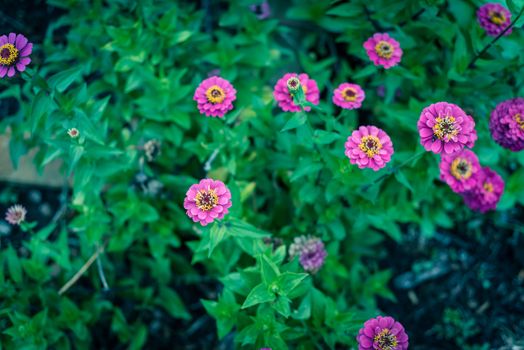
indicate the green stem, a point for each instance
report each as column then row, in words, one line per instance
column 393, row 170
column 477, row 56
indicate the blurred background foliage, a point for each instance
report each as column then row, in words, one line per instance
column 124, row 72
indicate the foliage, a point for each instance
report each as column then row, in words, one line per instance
column 124, row 73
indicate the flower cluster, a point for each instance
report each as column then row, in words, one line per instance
column 287, row 85
column 15, row 215
column 481, row 188
column 14, row 53
column 445, row 127
column 507, row 124
column 310, row 251
column 383, row 50
column 206, row 201
column 487, row 192
column 215, row 97
column 494, row 18
column 369, row 147
column 382, row 333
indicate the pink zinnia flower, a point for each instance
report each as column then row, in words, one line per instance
column 15, row 215
column 494, row 18
column 206, row 201
column 507, row 124
column 383, row 50
column 285, row 98
column 369, row 147
column 445, row 127
column 215, row 97
column 382, row 333
column 310, row 251
column 262, row 10
column 459, row 170
column 348, row 96
column 14, row 52
column 487, row 192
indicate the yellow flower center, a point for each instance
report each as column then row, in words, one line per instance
column 497, row 17
column 520, row 121
column 349, row 94
column 461, row 169
column 488, row 186
column 370, row 145
column 445, row 128
column 215, row 94
column 384, row 49
column 206, row 200
column 385, row 340
column 8, row 54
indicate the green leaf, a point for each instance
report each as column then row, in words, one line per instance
column 269, row 270
column 304, row 309
column 62, row 80
column 216, row 235
column 258, row 295
column 170, row 300
column 41, row 106
column 325, row 137
column 289, row 281
column 13, row 265
column 401, row 177
column 241, row 229
column 296, row 120
column 17, row 149
column 282, row 306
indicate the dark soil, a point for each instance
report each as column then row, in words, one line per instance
column 461, row 288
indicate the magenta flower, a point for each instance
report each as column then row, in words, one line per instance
column 487, row 192
column 262, row 10
column 383, row 50
column 507, row 124
column 382, row 333
column 369, row 147
column 459, row 170
column 310, row 251
column 285, row 98
column 206, row 201
column 215, row 97
column 494, row 18
column 14, row 52
column 15, row 215
column 472, row 135
column 445, row 127
column 348, row 96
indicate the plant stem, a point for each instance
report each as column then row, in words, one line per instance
column 83, row 269
column 393, row 170
column 477, row 56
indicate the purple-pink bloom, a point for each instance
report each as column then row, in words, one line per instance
column 284, row 97
column 348, row 96
column 206, row 201
column 215, row 97
column 15, row 215
column 487, row 192
column 262, row 10
column 445, row 127
column 459, row 170
column 383, row 50
column 14, row 53
column 310, row 251
column 382, row 333
column 507, row 124
column 494, row 18
column 369, row 147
